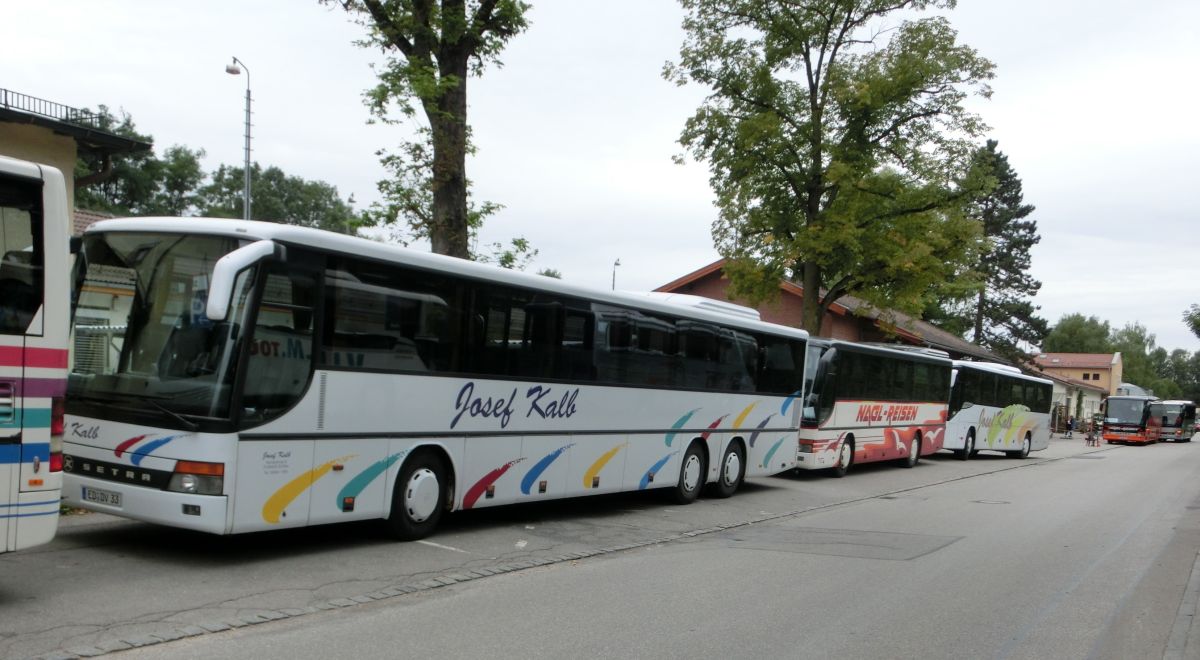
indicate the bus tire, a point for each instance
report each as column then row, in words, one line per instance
column 733, row 471
column 845, row 458
column 1023, row 452
column 968, row 449
column 418, row 500
column 914, row 452
column 691, row 476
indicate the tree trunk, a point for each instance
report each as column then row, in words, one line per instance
column 810, row 310
column 979, row 316
column 450, row 234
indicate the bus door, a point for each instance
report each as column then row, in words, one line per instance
column 21, row 297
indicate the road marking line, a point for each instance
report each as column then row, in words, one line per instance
column 443, row 547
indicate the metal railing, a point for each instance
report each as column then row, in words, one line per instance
column 35, row 106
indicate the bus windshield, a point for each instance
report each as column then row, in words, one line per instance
column 1125, row 411
column 1171, row 414
column 142, row 335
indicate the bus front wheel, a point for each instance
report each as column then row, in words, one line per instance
column 845, row 458
column 418, row 498
column 968, row 446
column 914, row 452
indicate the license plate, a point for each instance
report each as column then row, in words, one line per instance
column 99, row 496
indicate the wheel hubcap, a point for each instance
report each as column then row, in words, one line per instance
column 421, row 495
column 733, row 467
column 691, row 473
column 912, row 449
column 844, row 456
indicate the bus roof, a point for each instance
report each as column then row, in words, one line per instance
column 996, row 367
column 354, row 246
column 884, row 349
column 1179, row 402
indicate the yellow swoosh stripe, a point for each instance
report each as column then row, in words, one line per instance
column 275, row 504
column 737, row 423
column 590, row 475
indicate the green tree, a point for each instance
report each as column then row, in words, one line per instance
column 279, row 197
column 838, row 149
column 431, row 48
column 1192, row 318
column 1075, row 333
column 1004, row 316
column 550, row 272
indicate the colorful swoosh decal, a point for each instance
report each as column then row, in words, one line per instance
column 713, row 426
column 645, row 482
column 737, row 423
column 136, row 457
column 476, row 491
column 590, row 476
column 538, row 468
column 273, row 508
column 771, row 452
column 359, row 483
column 787, row 403
column 679, row 424
column 761, row 425
column 127, row 444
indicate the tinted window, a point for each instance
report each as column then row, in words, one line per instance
column 21, row 254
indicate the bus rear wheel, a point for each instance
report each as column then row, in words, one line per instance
column 733, row 471
column 691, row 476
column 1023, row 452
column 418, row 500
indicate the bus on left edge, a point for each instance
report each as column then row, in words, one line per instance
column 34, row 332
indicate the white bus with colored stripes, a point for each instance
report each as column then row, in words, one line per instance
column 995, row 407
column 34, row 325
column 866, row 403
column 252, row 376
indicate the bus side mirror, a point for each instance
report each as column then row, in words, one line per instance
column 225, row 272
column 76, row 244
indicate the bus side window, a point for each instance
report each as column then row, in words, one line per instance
column 281, row 346
column 21, row 256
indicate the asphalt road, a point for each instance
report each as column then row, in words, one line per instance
column 1076, row 552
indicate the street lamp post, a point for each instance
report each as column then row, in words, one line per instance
column 235, row 68
column 614, row 282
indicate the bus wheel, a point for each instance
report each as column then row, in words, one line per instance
column 845, row 459
column 418, row 498
column 733, row 471
column 968, row 447
column 914, row 452
column 1023, row 452
column 691, row 476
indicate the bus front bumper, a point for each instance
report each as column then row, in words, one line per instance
column 203, row 513
column 816, row 455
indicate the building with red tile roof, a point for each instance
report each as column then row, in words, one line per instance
column 1102, row 370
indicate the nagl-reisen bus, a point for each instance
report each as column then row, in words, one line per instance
column 1125, row 418
column 34, row 326
column 995, row 407
column 869, row 403
column 252, row 376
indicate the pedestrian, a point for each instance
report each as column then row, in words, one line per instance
column 1070, row 426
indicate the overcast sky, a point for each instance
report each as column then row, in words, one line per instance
column 1095, row 104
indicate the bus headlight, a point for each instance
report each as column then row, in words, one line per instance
column 197, row 478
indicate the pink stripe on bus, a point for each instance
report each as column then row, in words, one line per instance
column 44, row 358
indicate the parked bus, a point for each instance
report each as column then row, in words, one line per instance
column 261, row 376
column 1125, row 418
column 1172, row 420
column 995, row 407
column 871, row 403
column 34, row 308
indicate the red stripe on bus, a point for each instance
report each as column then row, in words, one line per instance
column 45, row 358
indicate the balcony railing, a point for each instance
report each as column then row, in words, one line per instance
column 11, row 100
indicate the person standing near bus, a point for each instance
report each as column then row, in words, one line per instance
column 1070, row 426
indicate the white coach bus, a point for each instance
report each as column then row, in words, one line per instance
column 34, row 326
column 995, row 407
column 257, row 376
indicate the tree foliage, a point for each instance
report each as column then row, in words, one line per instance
column 1192, row 318
column 279, row 197
column 838, row 146
column 431, row 47
column 1000, row 315
column 1076, row 333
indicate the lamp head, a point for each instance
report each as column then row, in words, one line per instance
column 233, row 69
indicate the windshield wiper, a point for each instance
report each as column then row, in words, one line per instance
column 187, row 423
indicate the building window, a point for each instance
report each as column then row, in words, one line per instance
column 1086, row 376
column 1095, row 376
